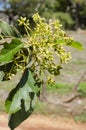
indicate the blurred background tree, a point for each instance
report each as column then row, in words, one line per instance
column 71, row 13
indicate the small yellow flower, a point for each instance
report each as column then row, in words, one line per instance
column 37, row 18
column 23, row 21
column 50, row 79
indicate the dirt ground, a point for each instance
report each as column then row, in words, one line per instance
column 41, row 122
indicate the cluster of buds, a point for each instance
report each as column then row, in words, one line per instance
column 43, row 46
column 23, row 21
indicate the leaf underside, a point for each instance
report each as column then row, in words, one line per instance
column 7, row 30
column 21, row 100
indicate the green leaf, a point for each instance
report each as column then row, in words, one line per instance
column 76, row 45
column 21, row 91
column 17, row 118
column 31, row 82
column 8, row 85
column 10, row 50
column 7, row 30
column 21, row 100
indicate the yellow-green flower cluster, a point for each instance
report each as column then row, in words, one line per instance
column 43, row 41
column 63, row 54
column 37, row 18
column 43, row 47
column 50, row 80
column 23, row 21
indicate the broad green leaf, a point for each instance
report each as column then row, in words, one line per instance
column 76, row 45
column 8, row 85
column 10, row 50
column 17, row 118
column 20, row 92
column 7, row 30
column 31, row 81
column 21, row 100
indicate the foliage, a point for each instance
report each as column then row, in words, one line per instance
column 39, row 52
column 73, row 13
column 18, row 7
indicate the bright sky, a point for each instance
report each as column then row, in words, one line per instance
column 2, row 4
